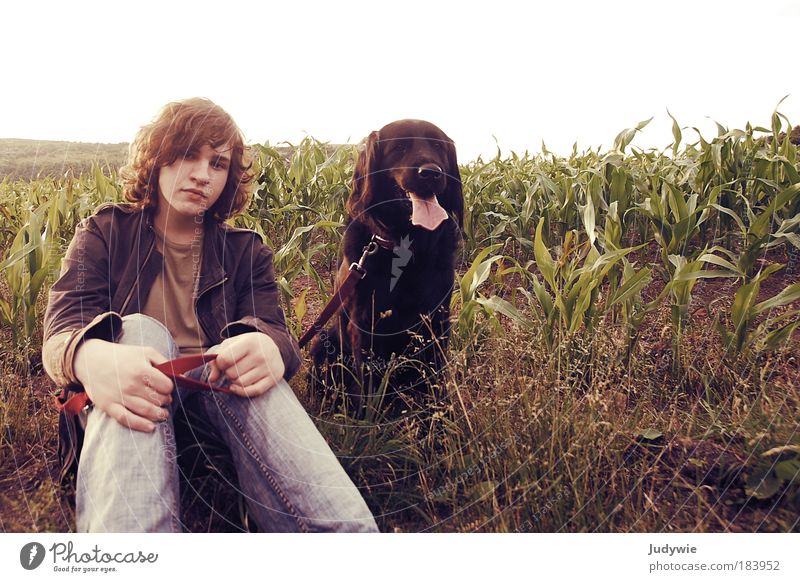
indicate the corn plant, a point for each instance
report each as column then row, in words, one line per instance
column 748, row 337
column 675, row 218
column 466, row 299
column 680, row 287
column 299, row 186
column 570, row 292
column 757, row 234
column 26, row 267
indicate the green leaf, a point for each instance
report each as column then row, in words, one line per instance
column 720, row 262
column 299, row 305
column 677, row 203
column 6, row 315
column 626, row 136
column 762, row 484
column 676, row 134
column 788, row 470
column 649, row 434
column 779, row 336
column 584, row 301
column 608, row 259
column 544, row 261
column 544, row 298
column 788, row 295
column 728, row 339
column 783, row 198
column 588, row 216
column 687, row 275
column 740, row 311
column 631, row 286
column 481, row 274
column 499, row 304
column 466, row 281
column 17, row 256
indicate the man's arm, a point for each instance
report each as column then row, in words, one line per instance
column 259, row 309
column 79, row 349
column 78, row 304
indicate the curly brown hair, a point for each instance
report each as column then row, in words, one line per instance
column 180, row 126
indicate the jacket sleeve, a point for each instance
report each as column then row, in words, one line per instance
column 78, row 304
column 258, row 306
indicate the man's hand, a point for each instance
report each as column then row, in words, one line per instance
column 251, row 361
column 122, row 382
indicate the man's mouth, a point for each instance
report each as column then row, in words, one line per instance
column 196, row 192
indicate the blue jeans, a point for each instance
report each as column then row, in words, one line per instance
column 128, row 480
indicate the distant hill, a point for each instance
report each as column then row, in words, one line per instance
column 28, row 159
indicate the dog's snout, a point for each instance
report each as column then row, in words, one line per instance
column 429, row 171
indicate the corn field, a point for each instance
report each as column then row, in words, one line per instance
column 624, row 335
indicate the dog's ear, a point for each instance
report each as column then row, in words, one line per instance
column 453, row 195
column 364, row 177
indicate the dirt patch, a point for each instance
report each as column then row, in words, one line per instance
column 708, row 478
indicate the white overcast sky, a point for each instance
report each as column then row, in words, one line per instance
column 521, row 73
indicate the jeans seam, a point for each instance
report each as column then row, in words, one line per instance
column 172, row 467
column 264, row 470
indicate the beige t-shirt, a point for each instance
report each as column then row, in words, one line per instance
column 171, row 298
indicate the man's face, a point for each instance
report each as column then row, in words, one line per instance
column 193, row 183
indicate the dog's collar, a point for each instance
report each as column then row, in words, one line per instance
column 384, row 243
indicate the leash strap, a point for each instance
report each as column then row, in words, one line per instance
column 175, row 369
column 356, row 272
column 353, row 277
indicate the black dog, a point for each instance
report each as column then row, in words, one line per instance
column 407, row 197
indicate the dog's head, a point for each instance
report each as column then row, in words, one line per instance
column 407, row 176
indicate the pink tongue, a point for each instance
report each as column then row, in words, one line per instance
column 426, row 213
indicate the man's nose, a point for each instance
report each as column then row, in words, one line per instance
column 199, row 171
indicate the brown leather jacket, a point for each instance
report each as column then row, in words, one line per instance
column 111, row 265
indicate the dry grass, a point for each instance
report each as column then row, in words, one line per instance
column 525, row 443
column 531, row 449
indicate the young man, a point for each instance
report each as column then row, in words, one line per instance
column 163, row 276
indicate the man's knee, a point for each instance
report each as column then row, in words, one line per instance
column 117, row 443
column 139, row 329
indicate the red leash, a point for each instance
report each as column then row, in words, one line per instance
column 357, row 272
column 175, row 369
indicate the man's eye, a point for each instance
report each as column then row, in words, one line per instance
column 220, row 164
